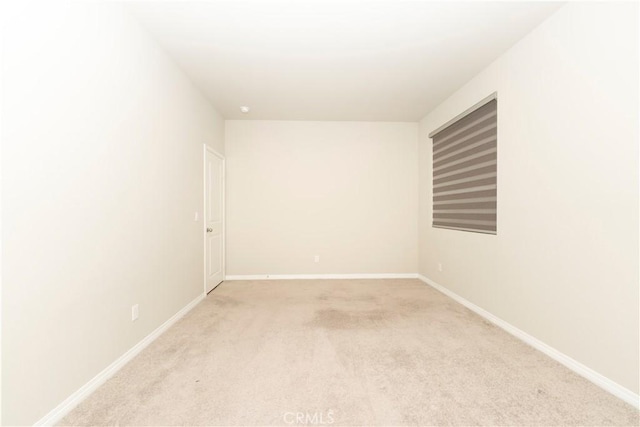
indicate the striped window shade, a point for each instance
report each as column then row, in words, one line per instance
column 464, row 170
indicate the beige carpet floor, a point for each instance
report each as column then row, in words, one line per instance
column 343, row 352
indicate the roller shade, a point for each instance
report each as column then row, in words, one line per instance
column 465, row 171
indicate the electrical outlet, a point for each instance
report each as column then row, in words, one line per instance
column 316, row 258
column 134, row 312
column 439, row 266
column 196, row 216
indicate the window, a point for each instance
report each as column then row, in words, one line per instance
column 465, row 170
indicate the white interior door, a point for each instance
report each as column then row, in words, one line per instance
column 214, row 220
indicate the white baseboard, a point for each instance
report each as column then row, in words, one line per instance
column 322, row 276
column 577, row 367
column 72, row 401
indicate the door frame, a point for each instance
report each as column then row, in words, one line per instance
column 210, row 150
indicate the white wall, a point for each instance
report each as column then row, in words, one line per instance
column 564, row 265
column 102, row 173
column 346, row 191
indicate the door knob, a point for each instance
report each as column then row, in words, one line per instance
column 209, row 230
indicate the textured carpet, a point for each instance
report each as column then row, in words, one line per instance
column 343, row 352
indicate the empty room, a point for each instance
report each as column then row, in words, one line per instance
column 315, row 213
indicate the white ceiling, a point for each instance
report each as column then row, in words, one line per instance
column 311, row 60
